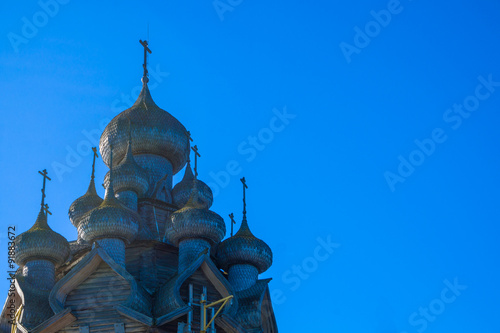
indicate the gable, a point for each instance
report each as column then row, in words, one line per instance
column 173, row 298
column 103, row 288
column 200, row 279
column 93, row 303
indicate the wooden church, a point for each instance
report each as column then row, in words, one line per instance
column 150, row 256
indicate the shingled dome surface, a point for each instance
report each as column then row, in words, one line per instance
column 153, row 130
column 194, row 220
column 84, row 204
column 41, row 242
column 182, row 190
column 110, row 220
column 244, row 248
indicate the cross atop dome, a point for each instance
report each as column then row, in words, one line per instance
column 196, row 155
column 45, row 177
column 231, row 216
column 245, row 186
column 145, row 78
column 94, row 149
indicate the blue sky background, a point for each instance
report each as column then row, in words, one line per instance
column 322, row 176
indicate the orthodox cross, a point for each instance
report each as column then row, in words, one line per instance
column 243, row 181
column 188, row 134
column 45, row 177
column 46, row 209
column 146, row 50
column 231, row 216
column 196, row 155
column 94, row 149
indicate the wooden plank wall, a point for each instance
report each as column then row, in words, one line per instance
column 92, row 303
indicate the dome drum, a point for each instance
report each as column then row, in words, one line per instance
column 40, row 273
column 242, row 276
column 128, row 198
column 157, row 167
column 190, row 250
column 115, row 248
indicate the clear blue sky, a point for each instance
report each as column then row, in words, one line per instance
column 363, row 88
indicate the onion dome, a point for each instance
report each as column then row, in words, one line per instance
column 110, row 220
column 90, row 200
column 154, row 131
column 84, row 204
column 128, row 175
column 244, row 248
column 182, row 190
column 41, row 243
column 194, row 220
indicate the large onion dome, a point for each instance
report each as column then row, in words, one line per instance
column 182, row 190
column 154, row 131
column 128, row 175
column 84, row 204
column 244, row 248
column 110, row 220
column 194, row 220
column 41, row 243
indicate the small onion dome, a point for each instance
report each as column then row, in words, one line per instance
column 84, row 204
column 182, row 190
column 153, row 130
column 244, row 248
column 128, row 175
column 110, row 220
column 41, row 242
column 194, row 220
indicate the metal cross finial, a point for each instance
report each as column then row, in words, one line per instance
column 45, row 177
column 94, row 149
column 145, row 65
column 231, row 216
column 243, row 181
column 196, row 155
column 46, row 209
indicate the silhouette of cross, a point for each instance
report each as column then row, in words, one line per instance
column 45, row 177
column 94, row 149
column 196, row 155
column 243, row 181
column 145, row 65
column 231, row 216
